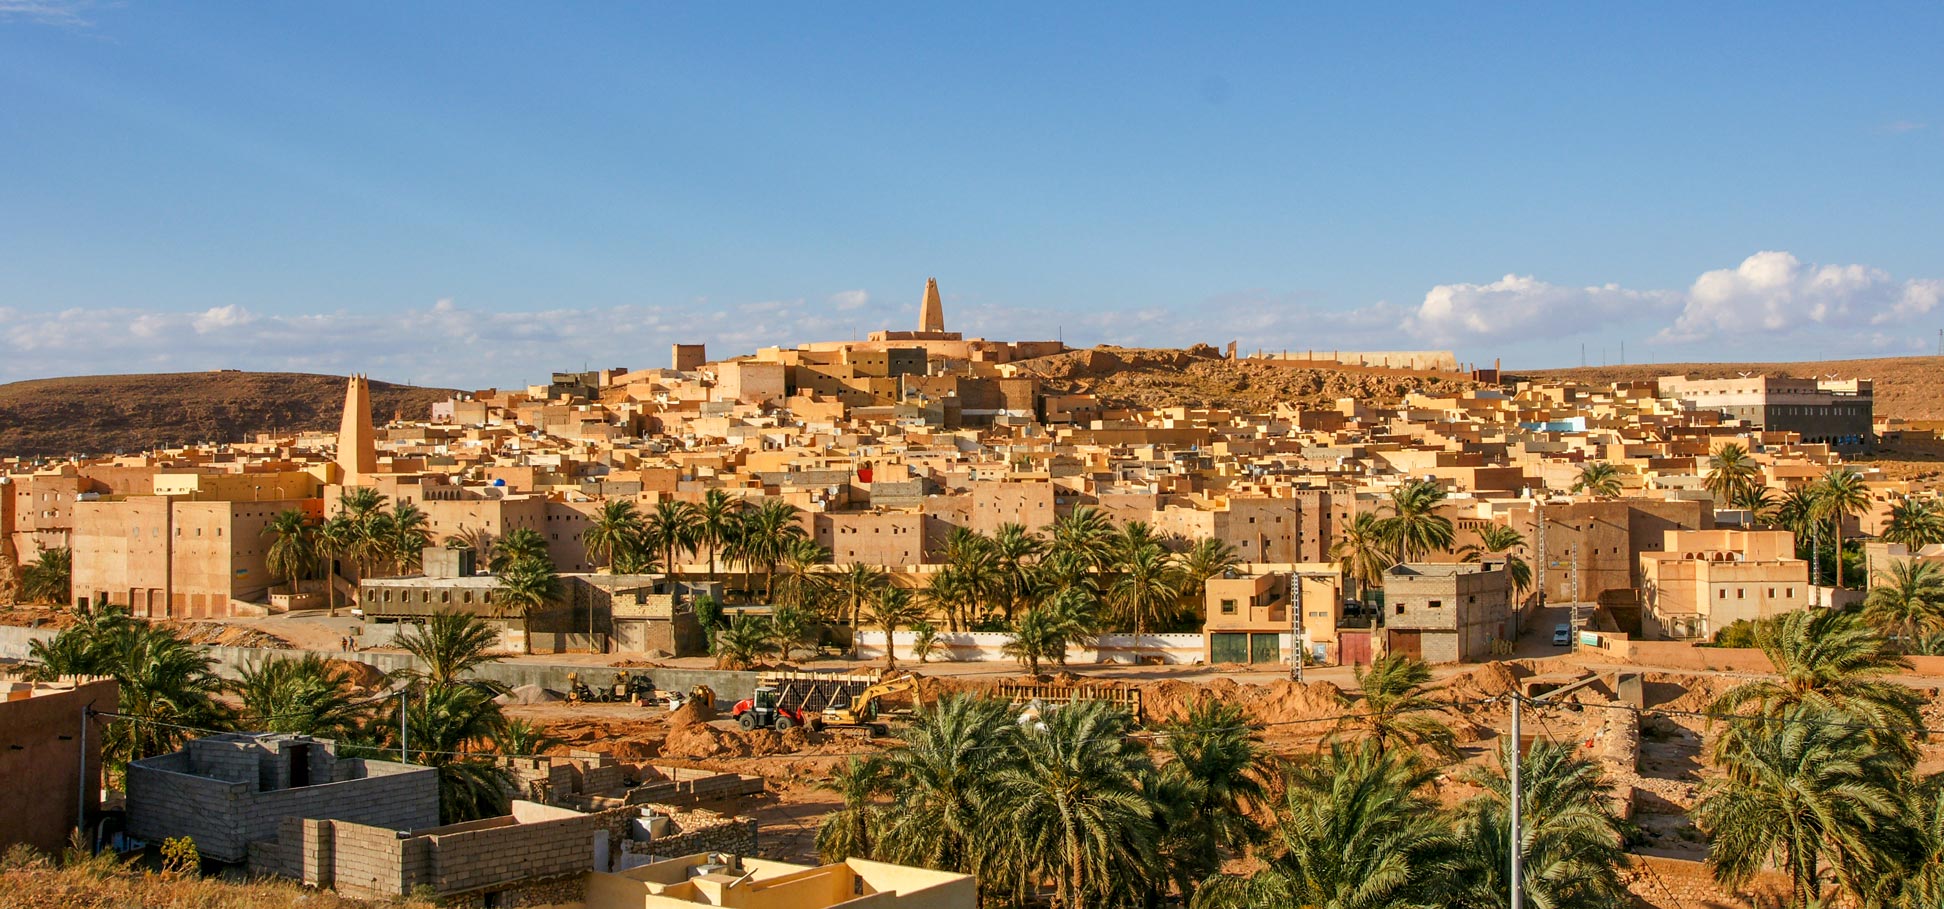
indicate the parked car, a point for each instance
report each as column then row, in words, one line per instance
column 1562, row 635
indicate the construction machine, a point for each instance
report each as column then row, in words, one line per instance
column 792, row 698
column 625, row 688
column 861, row 712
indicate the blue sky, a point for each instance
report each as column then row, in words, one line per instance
column 475, row 194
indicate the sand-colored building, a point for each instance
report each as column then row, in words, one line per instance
column 1705, row 580
column 49, row 768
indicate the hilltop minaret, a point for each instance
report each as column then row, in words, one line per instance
column 931, row 316
column 357, row 445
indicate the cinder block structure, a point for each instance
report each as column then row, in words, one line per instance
column 228, row 791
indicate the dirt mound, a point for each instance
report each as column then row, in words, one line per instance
column 216, row 634
column 1487, row 681
column 1287, row 702
column 702, row 742
column 634, row 751
column 691, row 713
column 798, row 738
column 362, row 676
column 765, row 742
column 530, row 694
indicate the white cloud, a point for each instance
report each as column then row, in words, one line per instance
column 1775, row 293
column 70, row 13
column 849, row 300
column 1523, row 307
column 217, row 318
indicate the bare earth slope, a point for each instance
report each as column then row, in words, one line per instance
column 1911, row 388
column 106, row 414
column 1200, row 377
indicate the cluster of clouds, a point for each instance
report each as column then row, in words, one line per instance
column 1771, row 304
column 1770, row 300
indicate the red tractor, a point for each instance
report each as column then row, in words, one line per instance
column 763, row 711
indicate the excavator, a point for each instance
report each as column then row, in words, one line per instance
column 861, row 712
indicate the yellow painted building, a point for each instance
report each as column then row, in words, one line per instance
column 709, row 879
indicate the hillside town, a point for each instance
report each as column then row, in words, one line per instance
column 687, row 633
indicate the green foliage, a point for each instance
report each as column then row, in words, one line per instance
column 744, row 642
column 50, row 578
column 1573, row 843
column 893, row 609
column 1907, row 603
column 166, row 682
column 1414, row 529
column 180, row 857
column 1914, row 524
column 299, row 695
column 1396, row 708
column 708, row 615
column 451, row 645
column 1600, row 480
column 1732, row 474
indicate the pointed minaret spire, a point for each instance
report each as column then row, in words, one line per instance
column 931, row 316
column 357, row 446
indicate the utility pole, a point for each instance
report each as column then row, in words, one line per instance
column 1576, row 596
column 81, row 781
column 1296, row 649
column 404, row 707
column 1518, row 860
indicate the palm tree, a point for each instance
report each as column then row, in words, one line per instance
column 789, row 626
column 1414, row 529
column 673, row 526
column 450, row 727
column 767, row 532
column 1801, row 792
column 1085, row 533
column 301, row 695
column 528, row 587
column 1217, row 749
column 1759, row 501
column 1797, row 512
column 364, row 509
column 336, row 539
column 942, row 813
column 409, row 533
column 1073, row 804
column 1035, row 634
column 1914, row 524
column 1731, row 471
column 975, row 577
column 892, row 610
column 50, row 578
column 1923, row 885
column 1356, row 831
column 846, row 832
column 1600, row 479
column 951, row 592
column 166, row 682
column 1363, row 553
column 522, row 545
column 802, row 586
column 1501, row 540
column 293, row 554
column 524, row 739
column 1147, row 590
column 615, row 527
column 716, row 523
column 1839, row 495
column 1013, row 549
column 1207, row 558
column 450, row 645
column 1396, row 707
column 1572, row 844
column 1827, row 661
column 1907, row 603
column 743, row 642
column 859, row 583
column 1075, row 620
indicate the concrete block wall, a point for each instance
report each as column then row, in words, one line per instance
column 557, row 842
column 223, row 818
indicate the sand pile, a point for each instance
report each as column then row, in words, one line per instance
column 1295, row 705
column 798, row 738
column 701, row 742
column 529, row 694
column 362, row 676
column 693, row 712
column 633, row 751
column 765, row 742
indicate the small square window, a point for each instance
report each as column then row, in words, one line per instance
column 1228, row 607
column 1435, row 604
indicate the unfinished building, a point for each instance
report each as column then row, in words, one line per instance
column 228, row 791
column 719, row 879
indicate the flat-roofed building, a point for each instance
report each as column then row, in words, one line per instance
column 1836, row 412
column 1706, row 580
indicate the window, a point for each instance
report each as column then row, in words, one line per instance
column 1435, row 604
column 1228, row 607
column 1740, row 593
column 1771, row 593
column 1400, row 609
column 1721, row 594
column 1788, row 591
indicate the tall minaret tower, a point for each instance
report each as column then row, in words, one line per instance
column 931, row 316
column 357, row 446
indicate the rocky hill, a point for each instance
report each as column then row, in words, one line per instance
column 1199, row 376
column 1906, row 387
column 108, row 414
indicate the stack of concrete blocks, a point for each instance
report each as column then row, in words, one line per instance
column 690, row 832
column 694, row 788
column 590, row 781
column 228, row 791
